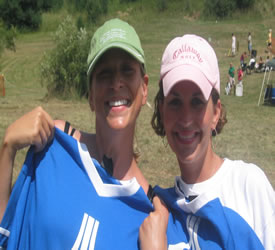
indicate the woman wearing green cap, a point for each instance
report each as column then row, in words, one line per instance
column 67, row 194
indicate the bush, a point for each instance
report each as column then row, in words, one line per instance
column 96, row 8
column 161, row 5
column 21, row 14
column 6, row 39
column 63, row 70
column 219, row 8
column 92, row 8
column 245, row 4
column 47, row 5
column 224, row 8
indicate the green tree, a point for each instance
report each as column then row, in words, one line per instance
column 23, row 14
column 92, row 8
column 245, row 4
column 224, row 8
column 219, row 8
column 47, row 5
column 63, row 70
column 6, row 39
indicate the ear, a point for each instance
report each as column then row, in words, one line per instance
column 145, row 89
column 217, row 113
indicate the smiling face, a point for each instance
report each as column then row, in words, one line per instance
column 188, row 121
column 118, row 90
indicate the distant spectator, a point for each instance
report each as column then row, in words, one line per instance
column 260, row 65
column 243, row 57
column 231, row 80
column 233, row 44
column 251, row 65
column 269, row 41
column 242, row 61
column 239, row 86
column 240, row 76
column 249, row 41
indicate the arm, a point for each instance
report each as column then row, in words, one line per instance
column 34, row 128
column 152, row 232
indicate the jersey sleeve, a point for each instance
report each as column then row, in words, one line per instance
column 14, row 214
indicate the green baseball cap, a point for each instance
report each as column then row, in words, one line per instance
column 114, row 33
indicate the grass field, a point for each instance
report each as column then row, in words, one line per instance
column 249, row 134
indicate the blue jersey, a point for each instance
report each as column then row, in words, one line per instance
column 234, row 209
column 64, row 199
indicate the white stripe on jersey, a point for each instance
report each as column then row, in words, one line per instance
column 87, row 233
column 192, row 224
column 4, row 232
column 123, row 188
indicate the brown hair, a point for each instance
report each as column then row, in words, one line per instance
column 157, row 123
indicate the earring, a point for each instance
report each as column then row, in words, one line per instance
column 214, row 132
column 213, row 141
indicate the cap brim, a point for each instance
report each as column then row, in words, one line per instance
column 187, row 73
column 132, row 51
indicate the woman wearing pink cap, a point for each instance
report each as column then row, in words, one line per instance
column 217, row 202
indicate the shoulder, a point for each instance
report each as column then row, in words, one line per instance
column 59, row 124
column 89, row 139
column 248, row 175
column 67, row 128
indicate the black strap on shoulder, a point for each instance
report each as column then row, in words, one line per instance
column 150, row 194
column 72, row 132
column 66, row 128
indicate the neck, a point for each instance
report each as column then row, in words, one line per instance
column 201, row 169
column 118, row 145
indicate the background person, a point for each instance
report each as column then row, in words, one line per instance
column 233, row 45
column 231, row 80
column 249, row 42
column 251, row 65
column 269, row 39
column 216, row 200
column 240, row 76
column 243, row 60
column 239, row 86
column 260, row 65
column 66, row 194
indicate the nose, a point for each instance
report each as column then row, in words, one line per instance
column 186, row 116
column 117, row 81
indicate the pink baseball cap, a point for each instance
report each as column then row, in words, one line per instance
column 191, row 58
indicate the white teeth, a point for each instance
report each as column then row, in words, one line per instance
column 187, row 137
column 118, row 103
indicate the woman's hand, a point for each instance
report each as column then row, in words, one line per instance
column 152, row 232
column 34, row 128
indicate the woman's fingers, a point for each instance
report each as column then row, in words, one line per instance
column 152, row 232
column 34, row 128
